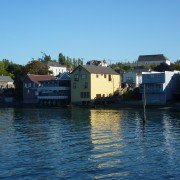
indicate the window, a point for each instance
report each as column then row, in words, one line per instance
column 97, row 75
column 109, row 78
column 29, row 84
column 105, row 76
column 76, row 77
column 85, row 85
column 84, row 94
column 25, row 85
column 84, row 76
column 87, row 94
column 74, row 85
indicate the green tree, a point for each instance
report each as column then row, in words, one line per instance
column 36, row 67
column 61, row 59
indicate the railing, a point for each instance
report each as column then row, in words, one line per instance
column 53, row 88
column 52, row 97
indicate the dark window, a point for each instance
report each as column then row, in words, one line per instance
column 76, row 77
column 74, row 85
column 85, row 85
column 82, row 94
column 110, row 78
column 97, row 75
column 105, row 76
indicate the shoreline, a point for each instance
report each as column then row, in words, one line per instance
column 121, row 105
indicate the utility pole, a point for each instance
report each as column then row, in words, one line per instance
column 144, row 103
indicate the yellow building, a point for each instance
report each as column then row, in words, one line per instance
column 89, row 82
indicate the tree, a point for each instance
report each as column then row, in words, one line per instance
column 36, row 67
column 61, row 59
column 124, row 67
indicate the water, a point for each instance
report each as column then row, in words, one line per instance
column 89, row 144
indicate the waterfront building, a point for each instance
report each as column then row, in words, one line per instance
column 152, row 60
column 6, row 82
column 56, row 68
column 30, row 84
column 159, row 86
column 6, row 89
column 89, row 82
column 132, row 79
column 54, row 92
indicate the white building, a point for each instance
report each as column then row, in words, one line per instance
column 56, row 68
column 152, row 59
column 133, row 79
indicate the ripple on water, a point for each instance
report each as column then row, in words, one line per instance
column 88, row 144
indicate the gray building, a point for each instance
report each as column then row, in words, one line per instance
column 54, row 92
column 152, row 59
column 159, row 87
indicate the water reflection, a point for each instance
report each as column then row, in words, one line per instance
column 106, row 137
column 88, row 144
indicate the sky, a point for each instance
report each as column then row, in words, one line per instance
column 115, row 30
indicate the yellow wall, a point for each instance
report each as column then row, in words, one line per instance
column 80, row 85
column 100, row 85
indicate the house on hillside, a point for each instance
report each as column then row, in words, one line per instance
column 6, row 89
column 89, row 82
column 6, row 82
column 56, row 68
column 54, row 92
column 159, row 86
column 97, row 63
column 152, row 59
column 30, row 84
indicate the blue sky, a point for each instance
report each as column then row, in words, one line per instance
column 115, row 30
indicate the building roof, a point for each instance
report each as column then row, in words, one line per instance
column 156, row 57
column 97, row 63
column 38, row 78
column 55, row 64
column 99, row 69
column 6, row 78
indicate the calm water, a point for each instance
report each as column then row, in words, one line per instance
column 89, row 144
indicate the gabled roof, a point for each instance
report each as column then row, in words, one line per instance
column 6, row 78
column 55, row 64
column 92, row 69
column 64, row 76
column 155, row 57
column 38, row 78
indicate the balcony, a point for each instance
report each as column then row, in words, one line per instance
column 57, row 88
column 51, row 97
